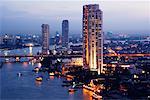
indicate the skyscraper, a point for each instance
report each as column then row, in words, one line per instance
column 92, row 38
column 57, row 39
column 45, row 38
column 65, row 31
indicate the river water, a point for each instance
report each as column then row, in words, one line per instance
column 13, row 87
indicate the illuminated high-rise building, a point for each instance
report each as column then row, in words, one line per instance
column 92, row 38
column 65, row 31
column 45, row 38
column 57, row 39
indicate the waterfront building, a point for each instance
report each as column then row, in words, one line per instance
column 65, row 31
column 92, row 38
column 45, row 38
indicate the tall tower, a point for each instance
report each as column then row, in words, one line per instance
column 57, row 38
column 92, row 38
column 65, row 31
column 45, row 38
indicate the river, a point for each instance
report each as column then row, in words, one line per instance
column 13, row 87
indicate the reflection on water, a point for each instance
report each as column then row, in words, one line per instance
column 71, row 93
column 51, row 77
column 9, row 65
column 25, row 64
column 87, row 92
column 24, row 51
column 38, row 83
column 30, row 50
column 32, row 62
column 26, row 87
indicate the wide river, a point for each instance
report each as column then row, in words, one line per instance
column 13, row 87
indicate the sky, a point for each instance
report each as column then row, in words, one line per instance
column 119, row 16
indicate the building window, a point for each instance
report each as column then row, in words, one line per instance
column 96, row 43
column 85, row 22
column 99, row 43
column 96, row 25
column 92, row 30
column 96, row 33
column 92, row 23
column 100, row 25
column 96, row 16
column 92, row 45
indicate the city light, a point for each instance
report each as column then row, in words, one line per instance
column 74, row 50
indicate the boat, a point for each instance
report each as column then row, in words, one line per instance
column 57, row 73
column 88, row 88
column 73, row 88
column 39, row 79
column 78, row 85
column 36, row 69
column 19, row 74
column 96, row 96
column 6, row 60
column 51, row 74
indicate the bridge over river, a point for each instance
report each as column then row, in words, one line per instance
column 74, row 55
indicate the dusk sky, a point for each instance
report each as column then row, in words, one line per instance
column 26, row 16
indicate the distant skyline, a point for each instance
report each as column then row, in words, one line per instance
column 27, row 16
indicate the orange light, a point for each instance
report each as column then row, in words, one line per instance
column 51, row 77
column 72, row 92
column 68, row 79
column 25, row 64
column 38, row 83
column 87, row 93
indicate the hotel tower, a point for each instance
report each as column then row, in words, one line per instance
column 92, row 38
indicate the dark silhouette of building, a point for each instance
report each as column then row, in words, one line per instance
column 45, row 37
column 65, row 31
